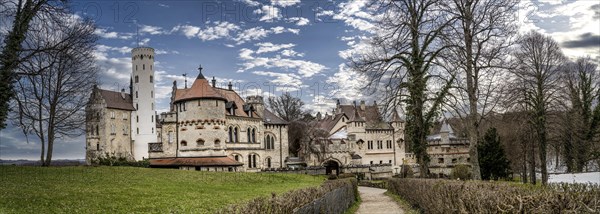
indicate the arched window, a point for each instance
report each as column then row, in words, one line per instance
column 249, row 133
column 231, row 134
column 269, row 142
column 252, row 160
column 199, row 142
column 235, row 134
column 183, row 143
column 253, row 135
column 268, row 160
column 217, row 142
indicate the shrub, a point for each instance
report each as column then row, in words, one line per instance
column 448, row 196
column 462, row 172
column 292, row 201
column 113, row 160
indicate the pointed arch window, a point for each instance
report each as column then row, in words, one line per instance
column 231, row 134
column 253, row 135
column 235, row 135
column 249, row 135
column 269, row 142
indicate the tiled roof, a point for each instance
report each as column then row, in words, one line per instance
column 270, row 118
column 374, row 120
column 328, row 122
column 201, row 89
column 232, row 96
column 116, row 100
column 200, row 161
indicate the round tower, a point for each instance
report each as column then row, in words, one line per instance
column 143, row 121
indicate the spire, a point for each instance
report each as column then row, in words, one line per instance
column 230, row 86
column 200, row 76
column 214, row 82
column 395, row 116
column 185, row 79
column 446, row 128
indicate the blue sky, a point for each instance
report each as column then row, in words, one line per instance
column 266, row 47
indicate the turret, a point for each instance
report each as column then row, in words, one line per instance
column 258, row 103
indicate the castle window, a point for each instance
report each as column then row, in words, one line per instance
column 136, row 67
column 98, row 146
column 124, row 116
column 253, row 135
column 269, row 142
column 231, row 134
column 152, row 119
column 371, row 162
column 268, row 160
column 137, row 79
column 152, row 130
column 216, row 103
column 370, row 144
column 153, row 106
column 440, row 160
column 97, row 131
column 151, row 94
column 143, row 66
column 151, row 79
column 151, row 66
column 217, row 142
column 252, row 161
column 136, row 106
column 136, row 94
column 112, row 115
column 183, row 143
column 112, row 129
column 199, row 142
column 170, row 136
column 380, row 162
column 235, row 134
column 137, row 130
column 236, row 157
column 390, row 162
column 137, row 118
column 249, row 135
column 379, row 144
column 199, row 102
column 388, row 144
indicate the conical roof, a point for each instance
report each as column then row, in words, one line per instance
column 446, row 128
column 201, row 89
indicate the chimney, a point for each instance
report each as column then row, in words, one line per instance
column 123, row 93
column 230, row 86
column 362, row 105
column 214, row 82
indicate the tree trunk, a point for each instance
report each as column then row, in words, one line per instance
column 532, row 177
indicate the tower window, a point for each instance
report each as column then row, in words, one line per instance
column 150, row 67
column 200, row 142
column 143, row 66
column 151, row 79
column 151, row 94
column 137, row 119
column 137, row 79
column 136, row 67
column 183, row 143
column 137, row 130
column 151, row 118
column 136, row 94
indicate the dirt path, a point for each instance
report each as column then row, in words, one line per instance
column 374, row 201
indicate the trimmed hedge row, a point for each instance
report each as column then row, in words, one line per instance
column 449, row 196
column 290, row 202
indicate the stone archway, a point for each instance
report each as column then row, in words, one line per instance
column 331, row 167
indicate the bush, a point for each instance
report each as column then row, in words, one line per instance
column 462, row 172
column 448, row 196
column 113, row 160
column 292, row 201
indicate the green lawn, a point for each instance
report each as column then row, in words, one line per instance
column 134, row 190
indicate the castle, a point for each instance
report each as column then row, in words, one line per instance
column 209, row 128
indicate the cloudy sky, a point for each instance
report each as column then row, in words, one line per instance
column 266, row 47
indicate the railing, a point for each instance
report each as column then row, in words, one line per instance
column 155, row 147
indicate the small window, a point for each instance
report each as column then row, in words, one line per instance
column 152, row 130
column 143, row 66
column 152, row 106
column 170, row 136
column 440, row 160
column 98, row 146
column 151, row 79
column 137, row 119
column 151, row 94
column 136, row 106
column 217, row 142
column 137, row 130
column 183, row 143
column 112, row 115
column 152, row 119
column 199, row 142
column 136, row 69
column 137, row 79
column 136, row 94
column 371, row 162
column 380, row 162
column 150, row 67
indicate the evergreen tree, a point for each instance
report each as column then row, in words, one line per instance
column 492, row 160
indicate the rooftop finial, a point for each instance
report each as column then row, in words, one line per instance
column 185, row 79
column 200, row 76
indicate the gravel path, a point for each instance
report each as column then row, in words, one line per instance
column 374, row 201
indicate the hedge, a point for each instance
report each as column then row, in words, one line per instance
column 290, row 202
column 450, row 196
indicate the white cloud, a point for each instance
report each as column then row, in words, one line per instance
column 291, row 53
column 269, row 13
column 346, row 83
column 302, row 67
column 258, row 33
column 218, row 30
column 285, row 3
column 188, row 30
column 104, row 33
column 300, row 21
column 283, row 81
column 152, row 30
column 164, row 5
column 320, row 103
column 270, row 47
column 251, row 3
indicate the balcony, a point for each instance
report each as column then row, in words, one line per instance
column 155, row 147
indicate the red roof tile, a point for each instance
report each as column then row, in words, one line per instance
column 201, row 89
column 116, row 100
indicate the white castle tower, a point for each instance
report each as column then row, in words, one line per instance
column 143, row 121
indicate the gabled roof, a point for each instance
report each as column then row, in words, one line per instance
column 272, row 119
column 329, row 122
column 234, row 97
column 374, row 120
column 116, row 100
column 201, row 89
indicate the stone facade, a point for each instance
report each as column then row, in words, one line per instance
column 210, row 122
column 446, row 151
column 358, row 140
column 108, row 117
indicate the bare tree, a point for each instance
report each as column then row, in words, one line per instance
column 50, row 103
column 290, row 109
column 402, row 62
column 539, row 59
column 23, row 14
column 582, row 117
column 480, row 40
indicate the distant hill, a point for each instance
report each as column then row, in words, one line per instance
column 59, row 162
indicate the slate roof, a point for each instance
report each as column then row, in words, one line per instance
column 272, row 119
column 199, row 161
column 116, row 100
column 371, row 115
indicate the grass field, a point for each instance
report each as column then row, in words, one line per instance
column 134, row 190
